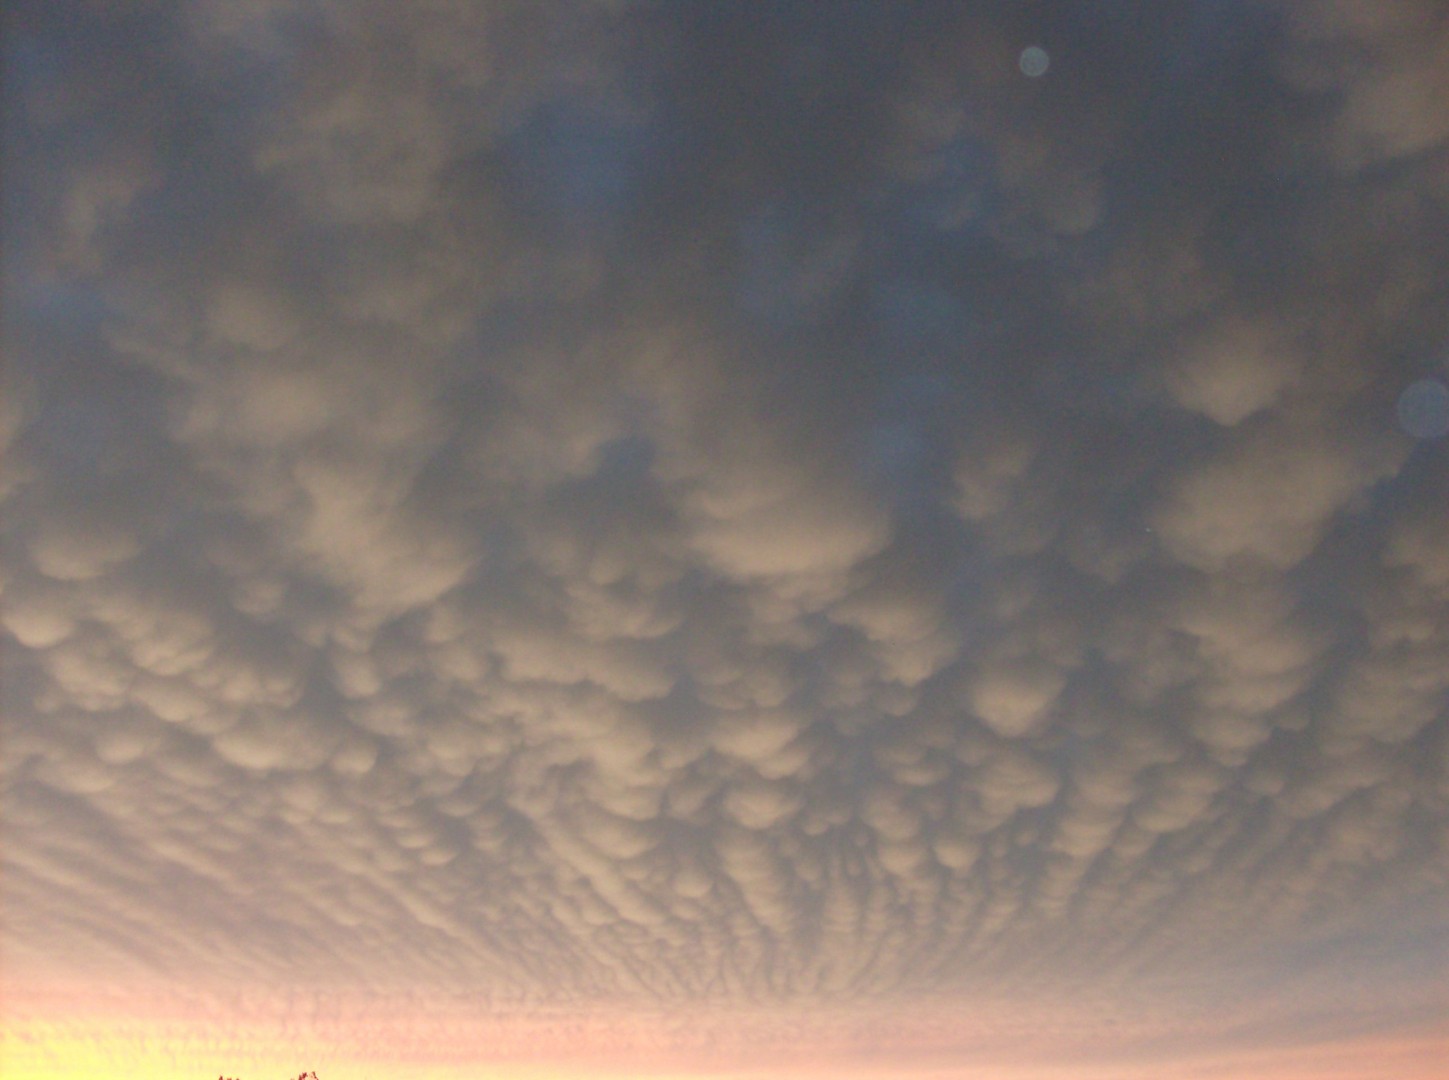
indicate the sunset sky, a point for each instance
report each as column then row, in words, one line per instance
column 738, row 539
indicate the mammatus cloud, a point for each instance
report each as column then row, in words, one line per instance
column 589, row 506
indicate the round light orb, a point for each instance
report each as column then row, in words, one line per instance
column 1424, row 409
column 1034, row 61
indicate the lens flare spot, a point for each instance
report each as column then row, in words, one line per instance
column 1034, row 61
column 1424, row 409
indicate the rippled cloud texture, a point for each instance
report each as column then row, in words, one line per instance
column 708, row 532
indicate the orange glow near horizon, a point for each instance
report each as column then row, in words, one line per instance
column 70, row 1035
column 35, row 1054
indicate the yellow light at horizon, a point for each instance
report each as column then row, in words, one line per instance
column 92, row 1051
column 163, row 1046
column 100, row 1051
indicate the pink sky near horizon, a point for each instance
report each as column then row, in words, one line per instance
column 57, row 1031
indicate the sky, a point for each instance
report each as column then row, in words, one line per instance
column 589, row 538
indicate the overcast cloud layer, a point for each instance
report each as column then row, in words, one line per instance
column 670, row 505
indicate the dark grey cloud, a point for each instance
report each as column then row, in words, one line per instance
column 606, row 503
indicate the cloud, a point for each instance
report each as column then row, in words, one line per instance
column 1392, row 96
column 587, row 506
column 1236, row 369
column 1270, row 499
